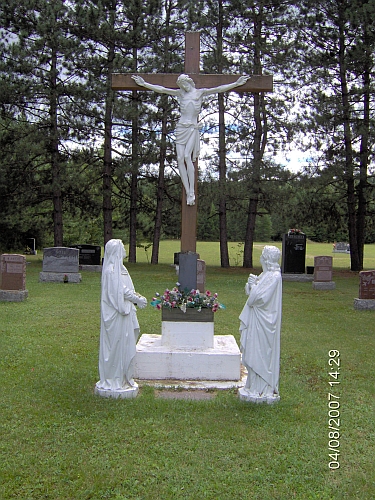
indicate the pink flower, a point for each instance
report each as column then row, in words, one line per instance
column 215, row 307
column 158, row 306
column 208, row 293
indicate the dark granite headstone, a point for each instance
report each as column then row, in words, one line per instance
column 13, row 272
column 293, row 254
column 323, row 268
column 30, row 246
column 187, row 273
column 89, row 255
column 367, row 285
column 61, row 260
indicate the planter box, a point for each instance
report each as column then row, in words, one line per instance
column 191, row 315
column 192, row 329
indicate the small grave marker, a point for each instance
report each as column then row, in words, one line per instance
column 366, row 298
column 367, row 285
column 13, row 278
column 323, row 273
column 341, row 247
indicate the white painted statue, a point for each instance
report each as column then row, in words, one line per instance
column 119, row 328
column 260, row 330
column 187, row 132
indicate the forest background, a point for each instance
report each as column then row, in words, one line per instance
column 80, row 163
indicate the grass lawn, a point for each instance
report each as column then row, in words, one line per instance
column 59, row 441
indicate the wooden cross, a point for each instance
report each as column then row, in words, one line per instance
column 257, row 83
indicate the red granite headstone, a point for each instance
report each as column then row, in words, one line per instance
column 367, row 285
column 322, row 268
column 13, row 272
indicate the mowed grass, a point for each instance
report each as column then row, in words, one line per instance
column 210, row 253
column 60, row 441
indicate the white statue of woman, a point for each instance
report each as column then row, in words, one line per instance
column 187, row 132
column 260, row 330
column 119, row 328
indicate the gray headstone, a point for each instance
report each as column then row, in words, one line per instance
column 341, row 247
column 61, row 260
column 323, row 268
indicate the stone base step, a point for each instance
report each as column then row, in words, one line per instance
column 155, row 361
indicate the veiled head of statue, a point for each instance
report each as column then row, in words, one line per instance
column 114, row 249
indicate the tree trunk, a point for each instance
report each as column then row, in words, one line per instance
column 224, row 254
column 163, row 144
column 258, row 148
column 107, row 160
column 55, row 160
column 349, row 166
column 134, row 167
column 364, row 155
column 134, row 184
column 160, row 188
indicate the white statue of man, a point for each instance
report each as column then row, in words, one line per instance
column 119, row 328
column 260, row 330
column 187, row 132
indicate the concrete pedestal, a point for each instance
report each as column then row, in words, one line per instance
column 13, row 295
column 50, row 277
column 156, row 360
column 92, row 268
column 363, row 304
column 324, row 285
column 302, row 278
column 187, row 335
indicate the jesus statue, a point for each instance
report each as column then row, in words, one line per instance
column 187, row 132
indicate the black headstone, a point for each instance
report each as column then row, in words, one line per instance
column 294, row 253
column 89, row 255
column 30, row 246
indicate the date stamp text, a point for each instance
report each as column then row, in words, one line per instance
column 334, row 409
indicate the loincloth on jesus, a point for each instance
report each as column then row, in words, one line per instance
column 186, row 131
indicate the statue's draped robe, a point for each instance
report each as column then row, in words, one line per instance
column 260, row 334
column 119, row 328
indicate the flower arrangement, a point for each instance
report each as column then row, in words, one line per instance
column 295, row 231
column 176, row 298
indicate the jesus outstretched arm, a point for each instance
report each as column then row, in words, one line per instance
column 156, row 88
column 225, row 88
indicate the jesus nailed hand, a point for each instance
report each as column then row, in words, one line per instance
column 187, row 132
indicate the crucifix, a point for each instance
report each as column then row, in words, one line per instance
column 190, row 93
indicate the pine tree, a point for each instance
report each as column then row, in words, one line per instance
column 340, row 52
